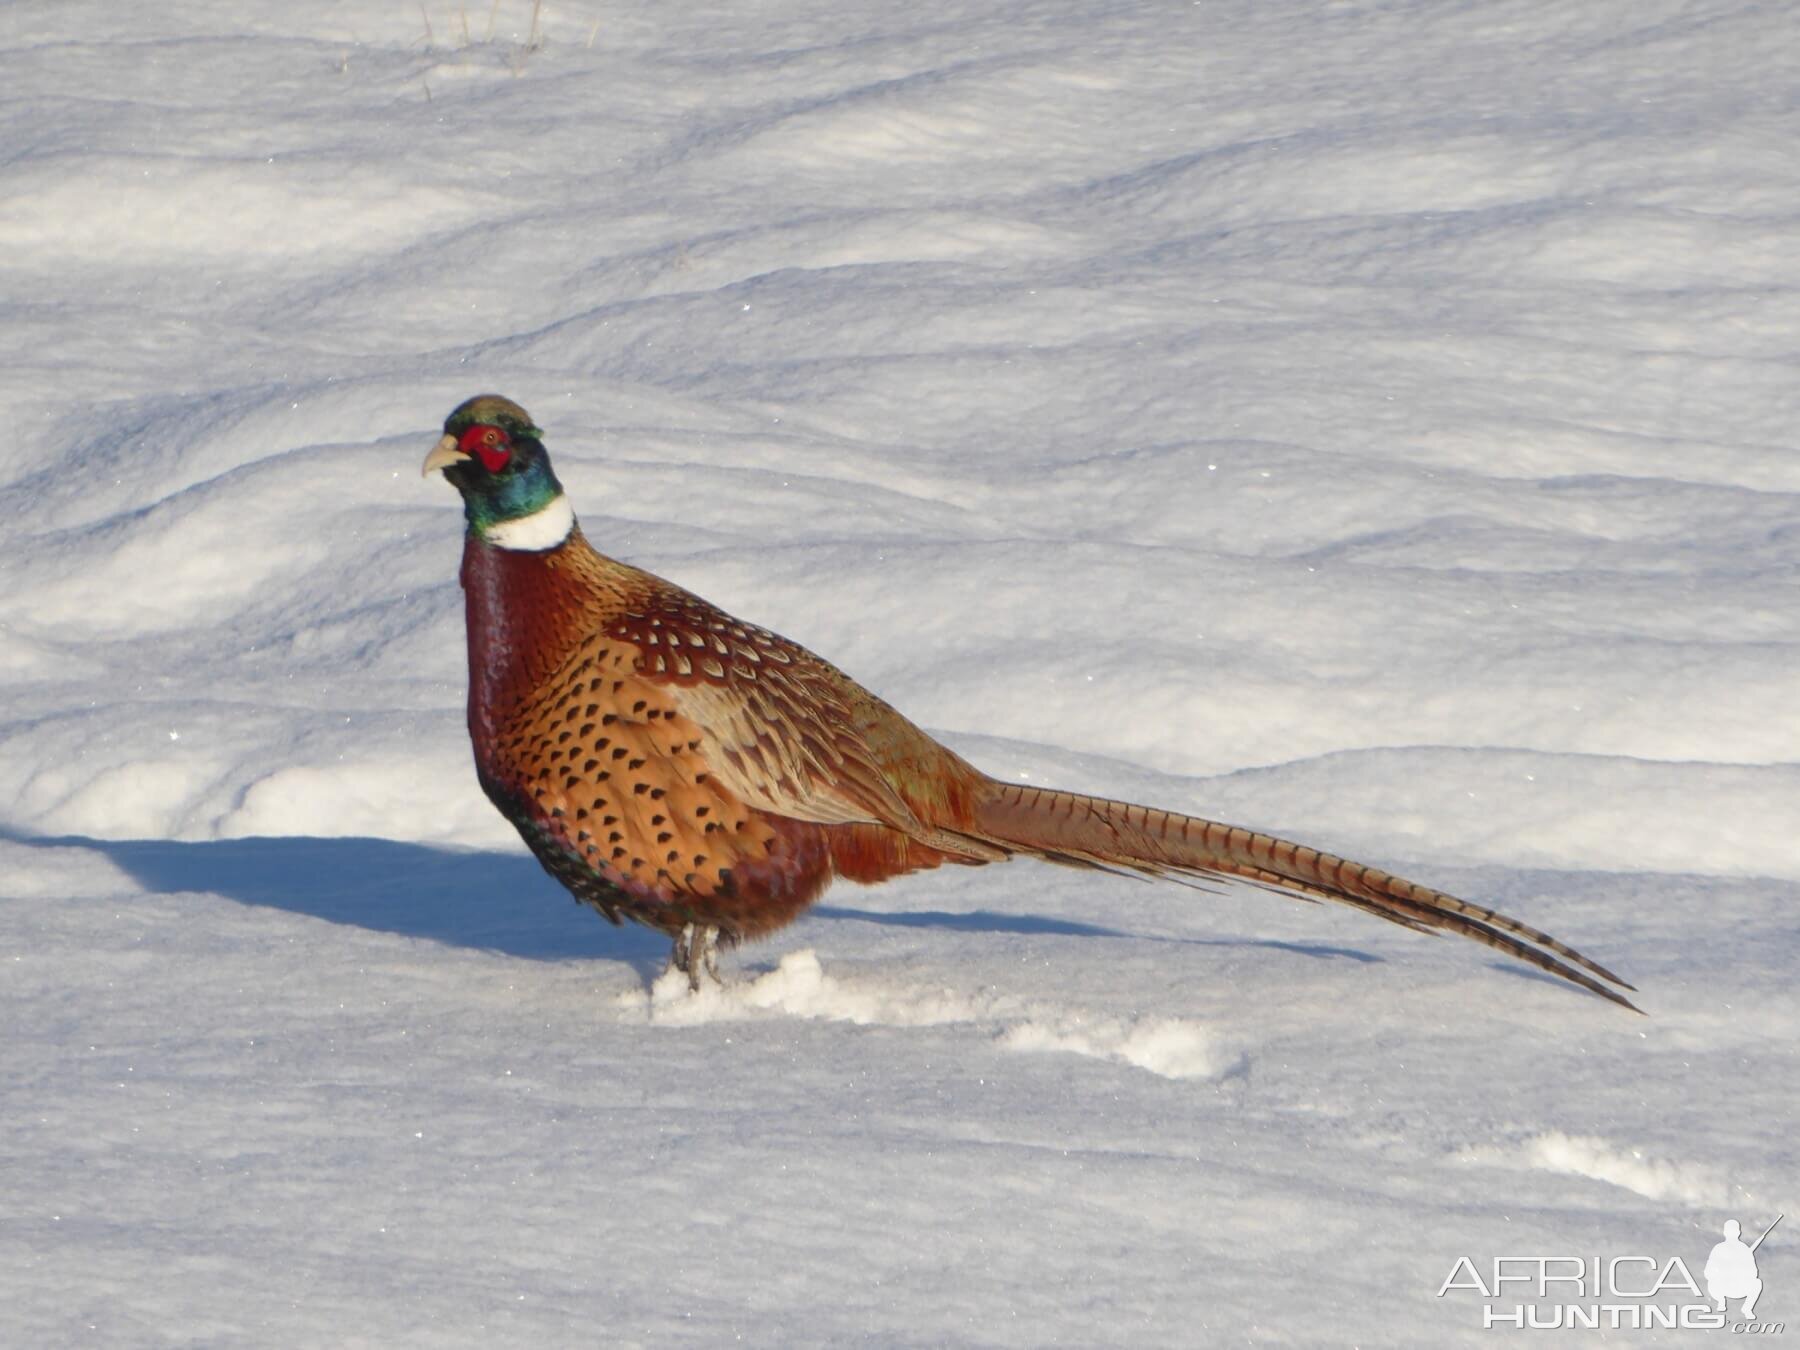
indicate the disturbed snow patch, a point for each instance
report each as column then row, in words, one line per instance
column 1699, row 1184
column 799, row 987
column 1169, row 1046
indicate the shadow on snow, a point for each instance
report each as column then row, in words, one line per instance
column 499, row 902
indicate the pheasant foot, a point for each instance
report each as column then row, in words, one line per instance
column 696, row 952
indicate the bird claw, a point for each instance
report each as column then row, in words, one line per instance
column 696, row 952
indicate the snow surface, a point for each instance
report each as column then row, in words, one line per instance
column 1369, row 421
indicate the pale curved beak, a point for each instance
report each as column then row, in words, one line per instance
column 442, row 456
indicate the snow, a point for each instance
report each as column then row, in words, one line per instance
column 1372, row 422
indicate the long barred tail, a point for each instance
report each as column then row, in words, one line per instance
column 1067, row 827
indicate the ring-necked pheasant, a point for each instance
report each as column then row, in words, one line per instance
column 673, row 765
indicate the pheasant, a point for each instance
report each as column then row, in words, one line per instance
column 673, row 765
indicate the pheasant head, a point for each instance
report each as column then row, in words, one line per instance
column 494, row 456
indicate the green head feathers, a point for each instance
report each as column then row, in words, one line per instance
column 492, row 410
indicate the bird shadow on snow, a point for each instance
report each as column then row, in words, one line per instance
column 988, row 921
column 500, row 902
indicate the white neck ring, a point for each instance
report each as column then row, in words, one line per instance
column 543, row 529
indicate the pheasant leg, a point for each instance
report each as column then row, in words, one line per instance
column 696, row 952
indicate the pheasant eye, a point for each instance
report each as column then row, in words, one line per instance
column 490, row 444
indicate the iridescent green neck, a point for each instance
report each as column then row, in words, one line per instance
column 513, row 496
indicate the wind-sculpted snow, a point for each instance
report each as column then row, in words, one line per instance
column 1375, row 424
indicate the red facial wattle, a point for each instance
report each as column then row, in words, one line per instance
column 491, row 445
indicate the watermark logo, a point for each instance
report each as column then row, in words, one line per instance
column 1550, row 1293
column 1731, row 1269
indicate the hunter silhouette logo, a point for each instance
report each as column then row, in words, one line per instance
column 1731, row 1269
column 1548, row 1293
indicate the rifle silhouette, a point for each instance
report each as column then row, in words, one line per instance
column 1766, row 1232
